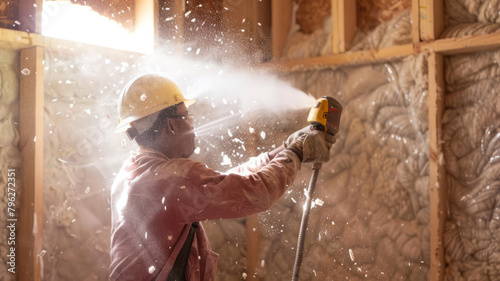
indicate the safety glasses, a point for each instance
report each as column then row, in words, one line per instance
column 187, row 117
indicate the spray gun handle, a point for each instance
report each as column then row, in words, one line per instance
column 317, row 126
column 317, row 166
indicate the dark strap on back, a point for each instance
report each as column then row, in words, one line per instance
column 178, row 272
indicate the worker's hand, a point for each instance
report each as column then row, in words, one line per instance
column 311, row 145
column 295, row 136
column 316, row 146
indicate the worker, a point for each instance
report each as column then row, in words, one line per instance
column 160, row 196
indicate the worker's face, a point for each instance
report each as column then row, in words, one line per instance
column 184, row 131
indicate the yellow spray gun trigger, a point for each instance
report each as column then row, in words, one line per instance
column 325, row 116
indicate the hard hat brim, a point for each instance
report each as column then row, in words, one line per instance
column 189, row 102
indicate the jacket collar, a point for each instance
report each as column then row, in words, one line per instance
column 150, row 152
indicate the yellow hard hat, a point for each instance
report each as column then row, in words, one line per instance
column 146, row 95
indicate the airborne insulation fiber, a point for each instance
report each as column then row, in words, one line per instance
column 10, row 157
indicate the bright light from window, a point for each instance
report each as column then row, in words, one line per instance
column 79, row 23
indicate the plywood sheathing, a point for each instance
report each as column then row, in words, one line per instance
column 311, row 14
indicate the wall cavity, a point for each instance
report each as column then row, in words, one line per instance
column 471, row 133
column 370, row 217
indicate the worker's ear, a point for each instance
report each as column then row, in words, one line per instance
column 169, row 127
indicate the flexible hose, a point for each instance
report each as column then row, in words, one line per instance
column 304, row 222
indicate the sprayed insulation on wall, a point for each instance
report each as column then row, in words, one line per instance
column 370, row 218
column 471, row 134
column 471, row 17
column 10, row 157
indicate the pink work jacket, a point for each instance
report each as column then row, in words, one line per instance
column 154, row 199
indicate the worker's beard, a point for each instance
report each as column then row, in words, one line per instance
column 189, row 147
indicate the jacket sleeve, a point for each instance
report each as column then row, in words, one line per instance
column 251, row 166
column 207, row 194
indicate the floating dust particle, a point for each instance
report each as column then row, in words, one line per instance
column 151, row 269
column 319, row 202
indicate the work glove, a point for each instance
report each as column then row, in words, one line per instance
column 311, row 145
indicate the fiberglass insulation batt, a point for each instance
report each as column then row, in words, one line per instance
column 370, row 219
column 471, row 17
column 471, row 133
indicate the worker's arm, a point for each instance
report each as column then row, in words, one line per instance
column 206, row 194
column 273, row 153
column 255, row 163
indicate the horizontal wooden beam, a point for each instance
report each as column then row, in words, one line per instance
column 451, row 46
column 462, row 45
column 350, row 58
column 13, row 39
